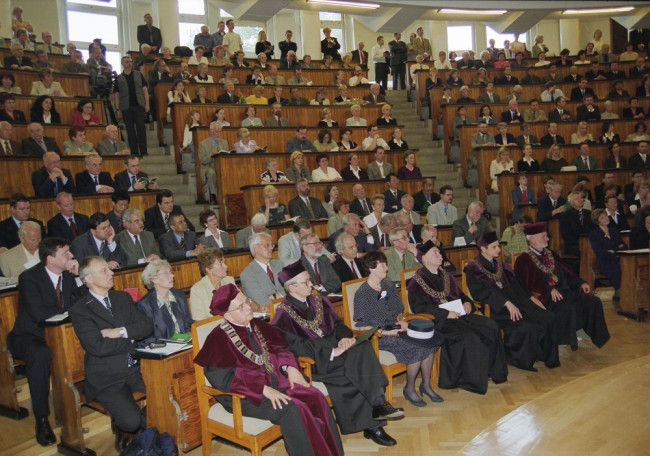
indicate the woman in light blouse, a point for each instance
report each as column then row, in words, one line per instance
column 327, row 120
column 215, row 275
column 501, row 164
column 527, row 164
column 8, row 83
column 629, row 54
column 227, row 76
column 213, row 236
column 639, row 133
column 220, row 117
column 582, row 134
column 324, row 173
column 331, row 196
column 202, row 77
column 273, row 211
column 339, row 79
column 324, row 143
column 219, row 58
column 345, row 143
column 198, row 56
column 177, row 94
column 272, row 175
column 486, row 115
column 77, row 144
column 245, row 145
column 356, row 120
column 321, row 98
column 47, row 85
column 251, row 119
column 44, row 112
column 85, row 114
column 354, row 172
column 192, row 121
column 297, row 170
column 347, row 62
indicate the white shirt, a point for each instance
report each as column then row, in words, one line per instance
column 99, row 243
column 233, row 41
column 380, row 143
column 377, row 53
column 217, row 238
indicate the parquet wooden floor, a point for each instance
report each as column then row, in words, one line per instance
column 449, row 428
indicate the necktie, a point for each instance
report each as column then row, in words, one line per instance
column 120, row 224
column 59, row 291
column 49, row 48
column 42, row 144
column 73, row 228
column 444, row 208
column 354, row 271
column 366, row 210
column 115, row 147
column 95, row 179
column 56, row 187
column 383, row 240
column 582, row 218
column 8, row 150
column 491, row 97
column 182, row 243
column 586, row 163
column 554, row 204
column 167, row 222
column 316, row 273
column 130, row 361
column 404, row 261
column 309, row 208
column 279, row 121
column 524, row 196
column 133, row 182
column 138, row 246
column 270, row 273
column 361, row 57
column 107, row 304
column 103, row 251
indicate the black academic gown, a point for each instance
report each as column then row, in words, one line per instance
column 474, row 350
column 527, row 340
column 355, row 380
column 577, row 310
column 307, row 424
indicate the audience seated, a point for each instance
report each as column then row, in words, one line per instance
column 9, row 113
column 276, row 119
column 157, row 218
column 393, row 194
column 67, row 224
column 47, row 85
column 179, row 242
column 8, row 147
column 472, row 225
column 138, row 245
column 99, row 240
column 77, row 144
column 8, row 83
column 373, row 140
column 43, row 111
column 25, row 255
column 17, row 60
column 640, row 159
column 260, row 278
column 94, row 180
column 443, row 212
column 353, row 172
column 380, row 233
column 353, row 226
column 319, row 266
column 112, row 145
column 20, row 209
column 640, row 235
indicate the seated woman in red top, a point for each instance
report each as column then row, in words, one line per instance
column 85, row 114
column 409, row 170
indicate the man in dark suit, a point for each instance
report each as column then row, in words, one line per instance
column 522, row 195
column 179, row 243
column 526, row 136
column 149, row 34
column 67, row 224
column 99, row 241
column 633, row 111
column 120, row 201
column 595, row 73
column 287, row 45
column 361, row 56
column 374, row 97
column 574, row 222
column 305, row 206
column 628, row 189
column 94, row 180
column 507, row 78
column 360, row 205
column 129, row 179
column 229, row 96
column 512, row 114
column 18, row 60
column 398, row 55
column 347, row 266
column 381, row 232
column 393, row 196
column 156, row 218
column 8, row 147
column 573, row 75
column 640, row 160
column 588, row 110
column 614, row 74
column 20, row 208
column 51, row 179
column 472, row 225
column 599, row 190
column 552, row 206
column 330, row 45
column 579, row 93
column 45, row 290
column 138, row 245
column 318, row 265
column 354, row 226
column 405, row 222
column 425, row 197
column 37, row 144
column 552, row 137
column 639, row 70
column 560, row 113
column 107, row 324
column 159, row 73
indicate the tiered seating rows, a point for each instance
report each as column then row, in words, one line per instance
column 64, row 106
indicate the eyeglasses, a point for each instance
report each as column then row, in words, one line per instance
column 353, row 246
column 248, row 302
column 304, row 283
column 266, row 245
column 319, row 243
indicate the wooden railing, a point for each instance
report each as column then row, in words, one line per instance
column 64, row 106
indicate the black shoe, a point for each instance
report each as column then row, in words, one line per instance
column 387, row 412
column 379, row 436
column 415, row 402
column 435, row 397
column 44, row 434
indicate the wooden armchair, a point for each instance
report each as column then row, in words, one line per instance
column 484, row 308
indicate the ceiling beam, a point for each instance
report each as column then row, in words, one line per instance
column 254, row 10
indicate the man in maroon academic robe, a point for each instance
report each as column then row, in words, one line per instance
column 564, row 294
column 248, row 356
column 351, row 372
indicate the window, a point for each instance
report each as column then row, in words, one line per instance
column 248, row 34
column 86, row 26
column 102, row 3
column 334, row 21
column 325, row 16
column 112, row 57
column 194, row 7
column 499, row 38
column 459, row 38
column 186, row 33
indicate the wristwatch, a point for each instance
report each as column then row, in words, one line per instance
column 123, row 332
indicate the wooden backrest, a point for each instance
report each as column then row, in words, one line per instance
column 463, row 281
column 200, row 331
column 405, row 276
column 349, row 289
column 272, row 306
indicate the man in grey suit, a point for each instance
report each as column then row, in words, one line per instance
column 208, row 148
column 258, row 225
column 112, row 144
column 213, row 237
column 401, row 254
column 443, row 212
column 304, row 206
column 276, row 120
column 482, row 137
column 99, row 241
column 489, row 97
column 470, row 226
column 289, row 245
column 381, row 232
column 138, row 245
column 320, row 269
column 379, row 169
column 25, row 255
column 260, row 278
column 179, row 243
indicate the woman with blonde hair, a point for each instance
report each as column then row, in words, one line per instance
column 214, row 269
column 326, row 119
column 257, row 97
column 554, row 160
column 502, row 164
column 347, row 62
column 192, row 121
column 245, row 145
column 582, row 134
column 356, row 120
column 220, row 58
column 263, row 46
column 539, row 46
column 273, row 211
column 298, row 170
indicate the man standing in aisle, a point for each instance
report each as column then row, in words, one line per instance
column 379, row 53
column 231, row 40
column 132, row 105
column 398, row 51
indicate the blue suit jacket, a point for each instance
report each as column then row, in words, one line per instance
column 44, row 187
column 57, row 226
column 507, row 117
column 163, row 325
column 545, row 208
column 516, row 201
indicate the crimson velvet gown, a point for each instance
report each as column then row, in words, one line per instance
column 307, row 424
column 526, row 340
column 576, row 310
column 474, row 350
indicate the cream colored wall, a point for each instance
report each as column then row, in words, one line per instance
column 589, row 26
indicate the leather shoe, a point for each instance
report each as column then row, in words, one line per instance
column 416, row 402
column 386, row 411
column 434, row 398
column 44, row 434
column 122, row 439
column 379, row 436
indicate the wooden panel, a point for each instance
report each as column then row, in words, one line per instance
column 64, row 106
column 16, row 172
column 94, row 133
column 45, row 208
column 635, row 283
column 56, row 59
column 74, row 85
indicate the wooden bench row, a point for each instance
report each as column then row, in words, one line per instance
column 65, row 107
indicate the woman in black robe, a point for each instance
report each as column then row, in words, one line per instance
column 474, row 350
